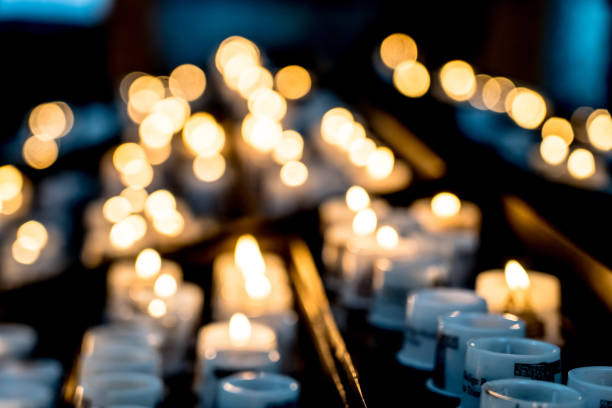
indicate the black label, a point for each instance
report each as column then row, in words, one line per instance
column 472, row 385
column 605, row 404
column 444, row 341
column 538, row 371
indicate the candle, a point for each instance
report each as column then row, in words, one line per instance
column 120, row 358
column 519, row 393
column 534, row 296
column 225, row 348
column 250, row 281
column 450, row 219
column 258, row 390
column 111, row 389
column 26, row 394
column 410, row 264
column 342, row 210
column 16, row 341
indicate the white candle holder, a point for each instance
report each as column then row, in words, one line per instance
column 454, row 331
column 26, row 394
column 422, row 311
column 496, row 358
column 594, row 383
column 516, row 393
column 46, row 372
column 16, row 340
column 119, row 389
column 120, row 358
column 258, row 390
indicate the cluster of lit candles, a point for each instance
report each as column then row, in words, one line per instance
column 566, row 148
column 407, row 267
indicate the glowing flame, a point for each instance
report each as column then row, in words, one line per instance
column 187, row 82
column 364, row 222
column 159, row 202
column 458, row 80
column 380, row 163
column 11, row 182
column 445, row 205
column 32, row 235
column 553, row 149
column 387, row 237
column 516, row 276
column 357, row 198
column 258, row 287
column 209, row 168
column 116, row 208
column 294, row 173
column 581, row 164
column 360, row 150
column 148, row 263
column 293, row 82
column 248, row 257
column 411, row 78
column 398, row 48
column 157, row 308
column 289, row 148
column 165, row 285
column 239, row 330
column 333, row 123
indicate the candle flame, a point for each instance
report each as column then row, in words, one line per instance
column 364, row 222
column 239, row 330
column 387, row 237
column 157, row 308
column 148, row 263
column 248, row 257
column 165, row 286
column 258, row 287
column 357, row 198
column 445, row 204
column 516, row 276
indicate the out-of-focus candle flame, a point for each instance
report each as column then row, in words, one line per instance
column 239, row 330
column 398, row 48
column 157, row 308
column 235, row 46
column 169, row 222
column 187, row 81
column 290, row 147
column 333, row 123
column 258, row 287
column 32, row 235
column 254, row 78
column 262, row 133
column 293, row 82
column 553, row 149
column 175, row 109
column 267, row 103
column 360, row 150
column 445, row 205
column 581, row 164
column 51, row 120
column 11, row 182
column 387, row 237
column 158, row 202
column 209, row 168
column 411, row 78
column 23, row 255
column 127, row 231
column 458, row 80
column 248, row 257
column 140, row 179
column 144, row 92
column 40, row 153
column 527, row 107
column 364, row 222
column 165, row 285
column 357, row 198
column 135, row 196
column 380, row 163
column 129, row 158
column 202, row 135
column 516, row 276
column 116, row 208
column 599, row 129
column 148, row 263
column 294, row 173
column 558, row 127
column 494, row 93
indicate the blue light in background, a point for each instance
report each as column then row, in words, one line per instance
column 578, row 50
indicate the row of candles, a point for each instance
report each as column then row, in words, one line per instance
column 457, row 82
column 392, row 262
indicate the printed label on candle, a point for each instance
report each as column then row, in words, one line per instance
column 444, row 341
column 472, row 385
column 605, row 404
column 539, row 371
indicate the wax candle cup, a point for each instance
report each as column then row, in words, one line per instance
column 534, row 296
column 422, row 311
column 258, row 390
column 594, row 383
column 46, row 372
column 16, row 340
column 454, row 331
column 26, row 394
column 518, row 393
column 118, row 389
column 120, row 358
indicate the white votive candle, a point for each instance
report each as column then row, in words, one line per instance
column 258, row 390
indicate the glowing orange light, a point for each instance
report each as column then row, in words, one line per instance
column 51, row 120
column 599, row 129
column 209, row 168
column 116, row 208
column 202, row 135
column 40, row 153
column 156, row 130
column 267, row 103
column 445, row 205
column 411, row 78
column 494, row 93
column 516, row 276
column 176, row 110
column 527, row 108
column 290, row 147
column 398, row 48
column 558, row 127
column 553, row 149
column 239, row 330
column 129, row 158
column 252, row 79
column 187, row 81
column 581, row 164
column 11, row 182
column 357, row 198
column 294, row 173
column 458, row 80
column 293, row 82
column 135, row 196
column 380, row 163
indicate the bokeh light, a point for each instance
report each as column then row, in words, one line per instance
column 129, row 158
column 294, row 173
column 252, row 79
column 262, row 133
column 380, row 163
column 553, row 149
column 599, row 129
column 293, row 82
column 116, row 209
column 177, row 110
column 32, row 235
column 40, row 153
column 136, row 197
column 170, row 223
column 364, row 222
column 332, row 124
column 494, row 93
column 458, row 80
column 581, row 164
column 360, row 151
column 411, row 78
column 24, row 255
column 11, row 182
column 209, row 168
column 156, row 130
column 158, row 202
column 51, row 120
column 144, row 92
column 202, row 135
column 445, row 205
column 187, row 81
column 357, row 198
column 558, row 127
column 398, row 48
column 267, row 103
column 527, row 108
column 232, row 47
column 387, row 237
column 148, row 263
column 290, row 147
